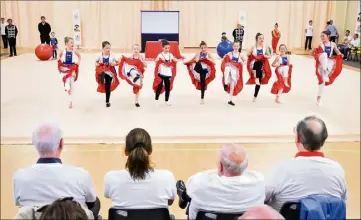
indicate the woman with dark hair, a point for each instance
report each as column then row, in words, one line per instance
column 105, row 73
column 276, row 35
column 258, row 65
column 65, row 208
column 328, row 68
column 164, row 72
column 139, row 186
column 201, row 69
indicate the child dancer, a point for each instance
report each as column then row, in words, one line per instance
column 54, row 44
column 68, row 66
column 257, row 65
column 131, row 69
column 232, row 68
column 276, row 35
column 165, row 72
column 283, row 73
column 327, row 68
column 105, row 73
column 201, row 69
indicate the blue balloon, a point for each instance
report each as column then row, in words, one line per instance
column 224, row 47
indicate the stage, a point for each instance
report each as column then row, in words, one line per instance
column 32, row 92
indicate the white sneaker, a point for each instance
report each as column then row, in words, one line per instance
column 202, row 101
column 254, row 99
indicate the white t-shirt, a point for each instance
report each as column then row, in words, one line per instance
column 211, row 192
column 2, row 27
column 42, row 184
column 153, row 192
column 302, row 176
column 348, row 38
column 309, row 30
column 100, row 57
column 163, row 70
column 355, row 43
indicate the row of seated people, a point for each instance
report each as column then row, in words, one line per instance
column 229, row 189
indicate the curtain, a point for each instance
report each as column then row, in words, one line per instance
column 119, row 21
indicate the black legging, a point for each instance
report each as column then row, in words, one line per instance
column 257, row 66
column 108, row 82
column 94, row 207
column 166, row 81
column 202, row 75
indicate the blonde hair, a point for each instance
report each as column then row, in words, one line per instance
column 67, row 39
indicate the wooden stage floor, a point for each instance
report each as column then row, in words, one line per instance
column 182, row 159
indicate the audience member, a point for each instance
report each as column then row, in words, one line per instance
column 230, row 189
column 332, row 28
column 261, row 212
column 352, row 45
column 3, row 34
column 238, row 34
column 11, row 32
column 65, row 208
column 139, row 186
column 310, row 172
column 49, row 179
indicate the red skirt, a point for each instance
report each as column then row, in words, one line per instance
column 211, row 72
column 158, row 80
column 279, row 84
column 123, row 75
column 336, row 70
column 266, row 70
column 68, row 70
column 106, row 68
column 239, row 85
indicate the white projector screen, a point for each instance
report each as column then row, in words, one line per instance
column 160, row 22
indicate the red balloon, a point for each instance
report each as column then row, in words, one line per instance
column 44, row 51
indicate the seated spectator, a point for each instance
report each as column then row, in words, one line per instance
column 261, row 212
column 64, row 209
column 224, row 37
column 353, row 45
column 229, row 189
column 310, row 172
column 139, row 186
column 49, row 179
column 347, row 38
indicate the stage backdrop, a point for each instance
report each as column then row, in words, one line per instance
column 119, row 21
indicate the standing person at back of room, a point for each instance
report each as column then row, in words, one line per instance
column 238, row 34
column 309, row 35
column 54, row 44
column 44, row 29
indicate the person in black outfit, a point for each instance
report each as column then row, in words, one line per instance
column 238, row 34
column 11, row 32
column 44, row 30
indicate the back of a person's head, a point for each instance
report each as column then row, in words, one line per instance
column 64, row 209
column 312, row 133
column 47, row 138
column 233, row 159
column 261, row 212
column 138, row 147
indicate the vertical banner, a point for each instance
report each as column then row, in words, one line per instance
column 242, row 20
column 76, row 28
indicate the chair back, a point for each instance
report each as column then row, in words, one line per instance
column 139, row 214
column 315, row 207
column 205, row 215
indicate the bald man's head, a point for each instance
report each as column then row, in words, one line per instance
column 47, row 138
column 261, row 212
column 233, row 159
column 312, row 133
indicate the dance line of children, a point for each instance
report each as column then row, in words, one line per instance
column 201, row 69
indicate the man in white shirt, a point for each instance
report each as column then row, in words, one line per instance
column 347, row 38
column 3, row 34
column 310, row 172
column 229, row 189
column 309, row 34
column 49, row 179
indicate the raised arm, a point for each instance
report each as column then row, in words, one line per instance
column 275, row 62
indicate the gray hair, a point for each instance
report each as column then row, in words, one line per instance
column 233, row 167
column 46, row 138
column 312, row 133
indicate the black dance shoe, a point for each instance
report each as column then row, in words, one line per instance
column 137, row 105
column 225, row 87
column 136, row 79
column 182, row 194
column 107, row 104
column 231, row 103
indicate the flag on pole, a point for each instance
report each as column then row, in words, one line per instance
column 76, row 28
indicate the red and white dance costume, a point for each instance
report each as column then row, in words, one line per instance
column 327, row 68
column 106, row 75
column 165, row 72
column 232, row 69
column 131, row 69
column 276, row 35
column 69, row 69
column 202, row 71
column 284, row 75
column 258, row 68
